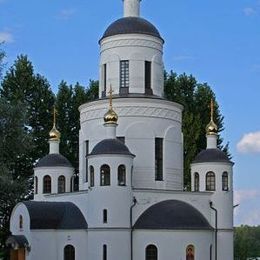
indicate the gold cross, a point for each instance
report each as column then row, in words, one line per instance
column 110, row 92
column 211, row 109
column 55, row 113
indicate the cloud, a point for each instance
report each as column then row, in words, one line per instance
column 250, row 143
column 249, row 11
column 6, row 37
column 65, row 14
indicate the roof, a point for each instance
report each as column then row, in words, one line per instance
column 111, row 146
column 131, row 25
column 211, row 155
column 53, row 160
column 18, row 241
column 172, row 214
column 55, row 215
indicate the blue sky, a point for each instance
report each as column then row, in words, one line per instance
column 216, row 41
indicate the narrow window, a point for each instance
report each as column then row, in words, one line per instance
column 105, row 78
column 105, row 216
column 61, row 184
column 196, row 182
column 190, row 252
column 210, row 252
column 158, row 159
column 21, row 222
column 104, row 252
column 124, row 74
column 210, row 181
column 151, row 253
column 69, row 252
column 148, row 77
column 46, row 184
column 121, row 139
column 121, row 175
column 36, row 185
column 104, row 175
column 92, row 176
column 225, row 181
column 87, row 151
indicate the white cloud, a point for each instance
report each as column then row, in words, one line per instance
column 6, row 37
column 250, row 143
column 248, row 11
column 65, row 14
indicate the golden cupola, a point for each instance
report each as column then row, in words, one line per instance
column 54, row 134
column 211, row 128
column 110, row 116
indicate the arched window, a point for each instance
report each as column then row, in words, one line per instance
column 190, row 252
column 151, row 252
column 47, row 184
column 196, row 182
column 225, row 181
column 104, row 252
column 104, row 175
column 105, row 216
column 21, row 222
column 92, row 176
column 36, row 185
column 121, row 175
column 61, row 184
column 210, row 181
column 69, row 252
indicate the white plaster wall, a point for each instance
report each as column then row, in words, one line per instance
column 54, row 173
column 171, row 244
column 136, row 48
column 141, row 120
column 225, row 245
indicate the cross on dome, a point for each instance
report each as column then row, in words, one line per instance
column 212, row 128
column 54, row 133
column 111, row 116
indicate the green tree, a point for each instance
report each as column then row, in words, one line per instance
column 195, row 98
column 14, row 143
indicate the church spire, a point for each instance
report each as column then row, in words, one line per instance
column 54, row 134
column 212, row 129
column 132, row 8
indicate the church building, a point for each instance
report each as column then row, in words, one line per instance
column 131, row 203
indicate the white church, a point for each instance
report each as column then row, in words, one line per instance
column 131, row 203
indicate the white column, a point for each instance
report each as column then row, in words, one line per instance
column 212, row 141
column 54, row 146
column 132, row 8
column 111, row 130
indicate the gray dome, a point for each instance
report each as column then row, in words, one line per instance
column 130, row 25
column 172, row 214
column 211, row 155
column 110, row 146
column 53, row 160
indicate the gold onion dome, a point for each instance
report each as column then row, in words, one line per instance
column 110, row 116
column 211, row 128
column 54, row 133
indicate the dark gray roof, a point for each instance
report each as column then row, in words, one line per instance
column 53, row 160
column 172, row 214
column 211, row 155
column 110, row 146
column 130, row 25
column 17, row 241
column 55, row 215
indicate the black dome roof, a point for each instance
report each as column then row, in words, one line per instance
column 53, row 160
column 211, row 155
column 110, row 146
column 128, row 25
column 172, row 214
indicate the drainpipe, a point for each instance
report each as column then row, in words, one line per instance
column 131, row 225
column 216, row 229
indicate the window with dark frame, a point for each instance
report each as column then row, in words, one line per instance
column 104, row 252
column 124, row 74
column 104, row 175
column 87, row 152
column 225, row 181
column 105, row 78
column 158, row 159
column 21, row 222
column 92, row 176
column 61, row 184
column 148, row 75
column 36, row 185
column 46, row 184
column 151, row 252
column 121, row 175
column 196, row 182
column 69, row 252
column 210, row 181
column 105, row 216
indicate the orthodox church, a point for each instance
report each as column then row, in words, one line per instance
column 131, row 203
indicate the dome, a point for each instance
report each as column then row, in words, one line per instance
column 54, row 134
column 172, row 214
column 211, row 128
column 211, row 155
column 110, row 146
column 110, row 117
column 53, row 160
column 131, row 25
